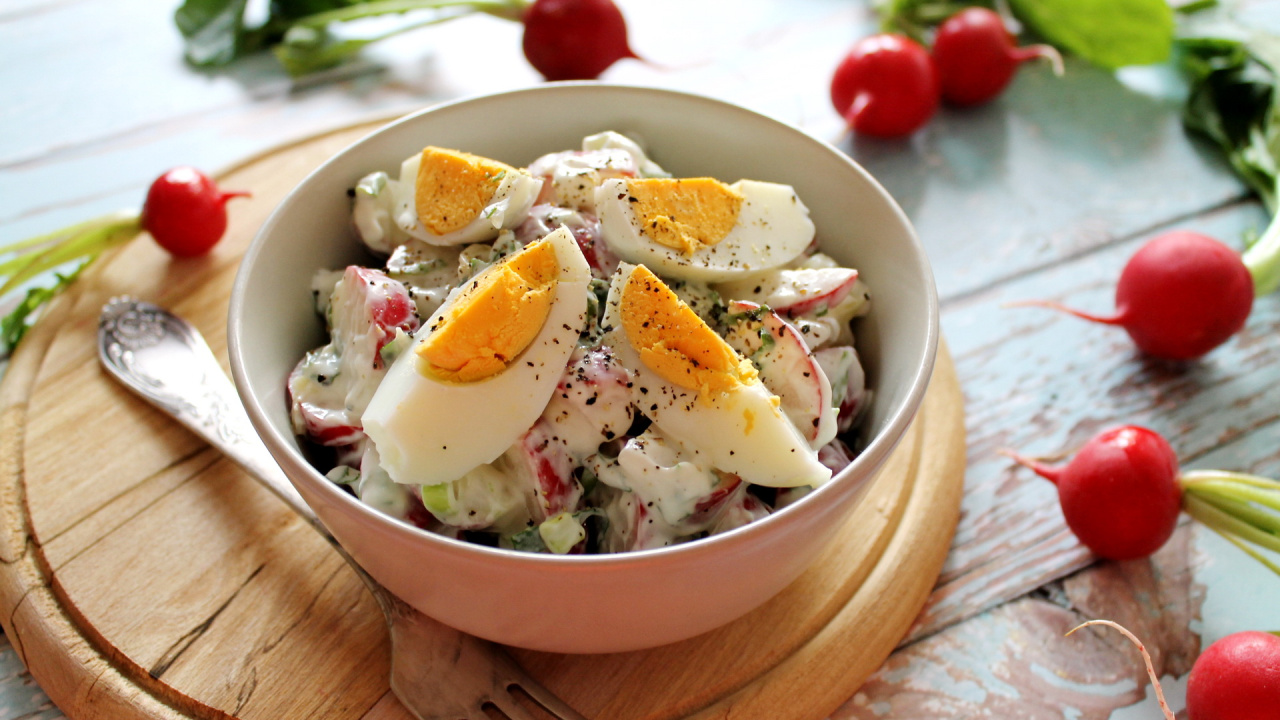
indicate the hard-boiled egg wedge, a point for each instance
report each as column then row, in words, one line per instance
column 483, row 366
column 447, row 197
column 701, row 228
column 697, row 389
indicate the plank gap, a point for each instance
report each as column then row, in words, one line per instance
column 1243, row 199
column 125, row 492
column 170, row 656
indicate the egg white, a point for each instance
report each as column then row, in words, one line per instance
column 429, row 431
column 508, row 207
column 742, row 431
column 772, row 229
column 609, row 140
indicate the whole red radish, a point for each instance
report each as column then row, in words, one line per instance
column 1180, row 296
column 886, row 86
column 1236, row 678
column 186, row 212
column 1120, row 494
column 976, row 56
column 574, row 39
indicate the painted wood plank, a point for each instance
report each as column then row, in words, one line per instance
column 1035, row 177
column 1013, row 661
column 20, row 697
column 61, row 165
column 72, row 60
column 998, row 194
column 1041, row 175
column 1043, row 383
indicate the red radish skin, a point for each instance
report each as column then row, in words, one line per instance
column 1179, row 297
column 1236, row 678
column 886, row 86
column 1120, row 494
column 186, row 212
column 976, row 56
column 574, row 39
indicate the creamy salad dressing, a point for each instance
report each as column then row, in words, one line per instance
column 334, row 383
column 666, row 477
column 572, row 176
column 591, row 469
column 484, row 497
column 428, row 272
column 593, row 403
column 376, row 489
column 371, row 212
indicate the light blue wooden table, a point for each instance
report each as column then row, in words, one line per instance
column 1044, row 193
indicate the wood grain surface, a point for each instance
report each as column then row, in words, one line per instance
column 1043, row 193
column 146, row 577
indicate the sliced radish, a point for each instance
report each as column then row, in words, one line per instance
column 793, row 292
column 543, row 458
column 711, row 504
column 331, row 386
column 742, row 508
column 544, row 219
column 836, row 455
column 325, row 426
column 787, row 369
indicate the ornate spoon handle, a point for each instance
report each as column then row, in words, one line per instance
column 162, row 359
column 437, row 672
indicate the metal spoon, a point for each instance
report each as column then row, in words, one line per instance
column 437, row 672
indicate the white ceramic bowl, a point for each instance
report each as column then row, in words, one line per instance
column 597, row 603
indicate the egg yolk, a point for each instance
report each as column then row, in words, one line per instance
column 454, row 187
column 674, row 342
column 685, row 214
column 494, row 318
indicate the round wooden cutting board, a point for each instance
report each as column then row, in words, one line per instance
column 144, row 576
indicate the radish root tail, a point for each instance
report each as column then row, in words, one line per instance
column 1146, row 658
column 1046, row 52
column 1116, row 319
column 1048, row 472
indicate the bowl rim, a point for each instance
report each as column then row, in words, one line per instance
column 872, row 456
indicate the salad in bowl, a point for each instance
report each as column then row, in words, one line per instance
column 422, row 324
column 584, row 355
